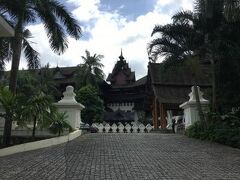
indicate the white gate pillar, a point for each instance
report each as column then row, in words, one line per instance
column 72, row 108
column 191, row 114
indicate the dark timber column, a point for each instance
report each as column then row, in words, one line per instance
column 155, row 114
column 163, row 115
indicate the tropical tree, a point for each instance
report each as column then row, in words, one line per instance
column 204, row 33
column 178, row 43
column 27, row 83
column 37, row 109
column 57, row 21
column 58, row 123
column 90, row 72
column 30, row 54
column 46, row 81
column 93, row 112
column 9, row 101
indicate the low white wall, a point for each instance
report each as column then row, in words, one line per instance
column 39, row 144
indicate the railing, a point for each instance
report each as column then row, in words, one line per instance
column 120, row 128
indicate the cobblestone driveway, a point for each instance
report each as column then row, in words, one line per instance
column 125, row 156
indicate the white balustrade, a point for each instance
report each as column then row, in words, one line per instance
column 100, row 128
column 149, row 127
column 95, row 125
column 114, row 128
column 120, row 128
column 107, row 128
column 128, row 128
column 141, row 128
column 135, row 128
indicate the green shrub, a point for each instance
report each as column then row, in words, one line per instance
column 222, row 129
column 94, row 108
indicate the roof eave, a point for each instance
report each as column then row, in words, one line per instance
column 5, row 29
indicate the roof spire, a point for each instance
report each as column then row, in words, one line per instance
column 121, row 56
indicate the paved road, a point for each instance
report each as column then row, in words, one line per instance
column 126, row 156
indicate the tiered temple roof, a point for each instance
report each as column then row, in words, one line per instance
column 121, row 74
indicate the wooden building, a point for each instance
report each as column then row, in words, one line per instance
column 170, row 87
column 125, row 96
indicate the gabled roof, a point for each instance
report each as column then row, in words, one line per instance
column 65, row 71
column 139, row 82
column 173, row 84
column 178, row 75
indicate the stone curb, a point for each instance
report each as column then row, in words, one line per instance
column 39, row 144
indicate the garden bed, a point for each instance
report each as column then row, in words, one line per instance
column 16, row 140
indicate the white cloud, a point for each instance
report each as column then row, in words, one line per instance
column 109, row 33
column 87, row 9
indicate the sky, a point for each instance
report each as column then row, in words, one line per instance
column 107, row 26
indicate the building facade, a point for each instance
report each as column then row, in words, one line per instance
column 124, row 96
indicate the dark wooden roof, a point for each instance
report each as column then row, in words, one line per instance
column 140, row 82
column 65, row 71
column 178, row 75
column 121, row 67
column 172, row 85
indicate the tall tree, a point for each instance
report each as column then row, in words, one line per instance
column 205, row 33
column 178, row 43
column 57, row 21
column 91, row 69
column 94, row 108
column 30, row 54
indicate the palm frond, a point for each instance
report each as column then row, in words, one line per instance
column 65, row 17
column 183, row 17
column 31, row 55
column 5, row 51
column 55, row 32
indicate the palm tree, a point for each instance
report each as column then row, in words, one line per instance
column 30, row 54
column 204, row 32
column 177, row 40
column 178, row 43
column 57, row 21
column 37, row 108
column 51, row 13
column 46, row 82
column 9, row 101
column 58, row 123
column 91, row 69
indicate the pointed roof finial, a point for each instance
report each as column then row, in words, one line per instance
column 121, row 56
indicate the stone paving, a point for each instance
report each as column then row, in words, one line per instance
column 126, row 156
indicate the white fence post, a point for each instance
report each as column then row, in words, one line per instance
column 135, row 128
column 149, row 127
column 128, row 128
column 107, row 128
column 100, row 128
column 120, row 128
column 114, row 128
column 141, row 128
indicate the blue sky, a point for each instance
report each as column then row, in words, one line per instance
column 108, row 26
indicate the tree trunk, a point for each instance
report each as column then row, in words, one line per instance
column 7, row 131
column 213, row 85
column 34, row 128
column 209, row 55
column 17, row 47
